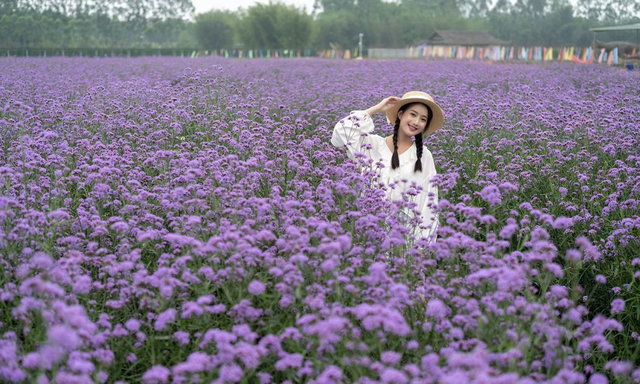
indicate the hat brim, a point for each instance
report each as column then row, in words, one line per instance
column 436, row 121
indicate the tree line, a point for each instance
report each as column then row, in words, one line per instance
column 275, row 25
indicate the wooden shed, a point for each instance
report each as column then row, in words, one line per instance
column 475, row 38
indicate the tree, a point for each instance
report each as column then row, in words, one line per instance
column 215, row 29
column 341, row 28
column 7, row 7
column 275, row 26
column 81, row 32
column 294, row 28
column 164, row 32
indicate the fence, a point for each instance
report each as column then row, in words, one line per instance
column 135, row 52
column 493, row 53
column 499, row 53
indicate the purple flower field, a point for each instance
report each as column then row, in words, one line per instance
column 170, row 220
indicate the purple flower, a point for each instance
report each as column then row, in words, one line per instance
column 232, row 373
column 164, row 318
column 42, row 261
column 289, row 361
column 132, row 324
column 491, row 194
column 156, row 375
column 562, row 223
column 82, row 285
column 555, row 268
column 394, row 376
column 390, row 357
column 196, row 362
column 601, row 279
column 574, row 255
column 617, row 306
column 437, row 309
column 181, row 337
column 256, row 287
column 59, row 214
column 64, row 336
column 508, row 230
column 331, row 374
column 598, row 378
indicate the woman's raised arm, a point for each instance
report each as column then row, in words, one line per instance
column 382, row 106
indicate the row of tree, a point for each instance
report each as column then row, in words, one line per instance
column 169, row 23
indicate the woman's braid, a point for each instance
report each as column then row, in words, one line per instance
column 419, row 146
column 395, row 159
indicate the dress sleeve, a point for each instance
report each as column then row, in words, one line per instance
column 352, row 132
column 428, row 196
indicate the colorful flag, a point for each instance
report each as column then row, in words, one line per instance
column 576, row 59
column 568, row 53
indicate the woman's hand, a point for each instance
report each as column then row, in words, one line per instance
column 383, row 106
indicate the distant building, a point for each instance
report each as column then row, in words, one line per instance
column 462, row 38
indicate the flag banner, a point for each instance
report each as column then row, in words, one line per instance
column 576, row 59
column 568, row 54
column 580, row 55
column 470, row 53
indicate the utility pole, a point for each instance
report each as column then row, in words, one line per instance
column 360, row 47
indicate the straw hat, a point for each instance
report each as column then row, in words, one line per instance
column 418, row 97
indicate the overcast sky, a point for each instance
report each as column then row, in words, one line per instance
column 232, row 5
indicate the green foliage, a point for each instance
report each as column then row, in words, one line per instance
column 276, row 26
column 215, row 29
column 161, row 31
column 555, row 28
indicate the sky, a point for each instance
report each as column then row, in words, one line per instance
column 231, row 5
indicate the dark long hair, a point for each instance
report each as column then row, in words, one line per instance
column 395, row 159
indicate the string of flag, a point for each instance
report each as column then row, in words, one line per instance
column 504, row 53
column 581, row 55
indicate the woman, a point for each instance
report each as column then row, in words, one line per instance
column 406, row 160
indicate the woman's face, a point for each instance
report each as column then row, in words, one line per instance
column 413, row 120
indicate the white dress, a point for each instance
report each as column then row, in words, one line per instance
column 354, row 133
